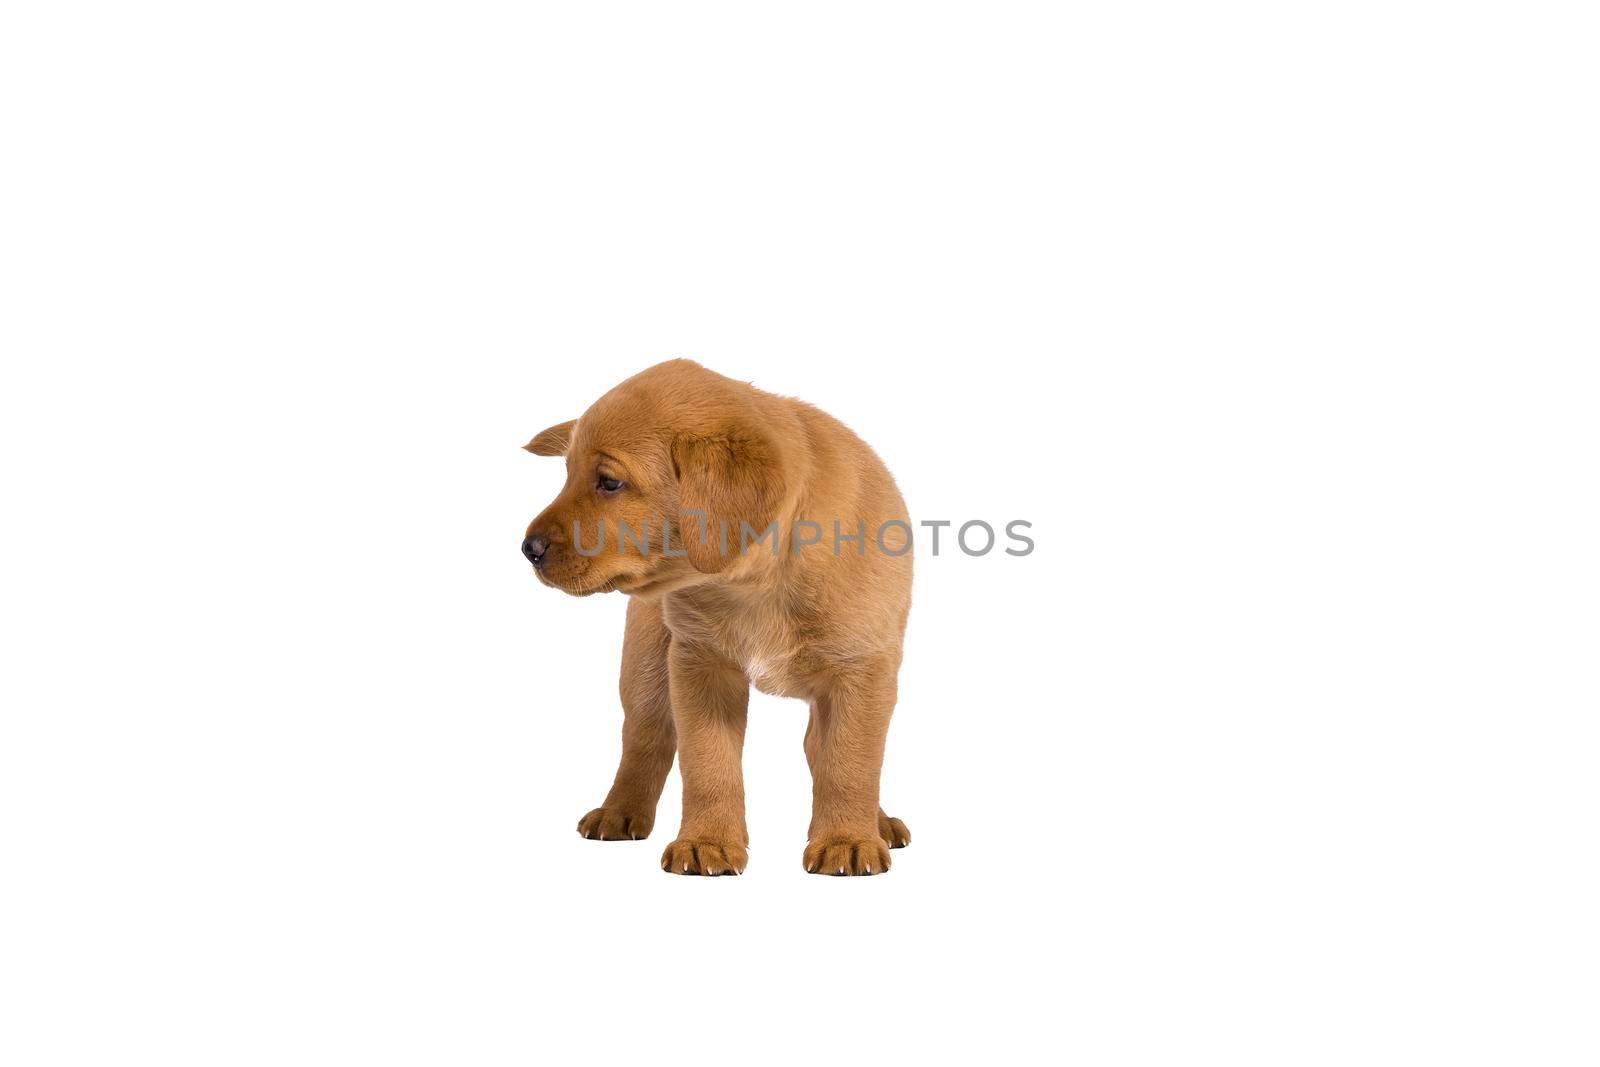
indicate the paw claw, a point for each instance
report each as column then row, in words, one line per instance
column 838, row 856
column 893, row 831
column 704, row 857
column 615, row 824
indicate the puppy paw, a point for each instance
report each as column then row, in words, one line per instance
column 688, row 856
column 847, row 855
column 893, row 831
column 616, row 824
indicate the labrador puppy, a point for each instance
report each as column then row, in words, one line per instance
column 759, row 542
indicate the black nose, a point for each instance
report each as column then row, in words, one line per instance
column 534, row 548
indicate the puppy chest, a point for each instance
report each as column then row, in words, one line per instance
column 770, row 675
column 762, row 644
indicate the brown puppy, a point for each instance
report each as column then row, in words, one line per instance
column 677, row 473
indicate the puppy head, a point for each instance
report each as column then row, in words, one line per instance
column 657, row 470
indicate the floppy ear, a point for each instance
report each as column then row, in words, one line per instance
column 732, row 476
column 554, row 441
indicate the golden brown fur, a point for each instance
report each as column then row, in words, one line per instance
column 703, row 624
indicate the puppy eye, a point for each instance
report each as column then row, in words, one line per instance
column 609, row 485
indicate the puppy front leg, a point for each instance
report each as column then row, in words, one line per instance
column 648, row 739
column 710, row 698
column 894, row 831
column 844, row 744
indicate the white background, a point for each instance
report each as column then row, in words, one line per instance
column 1277, row 321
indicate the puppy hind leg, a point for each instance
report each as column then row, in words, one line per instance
column 893, row 831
